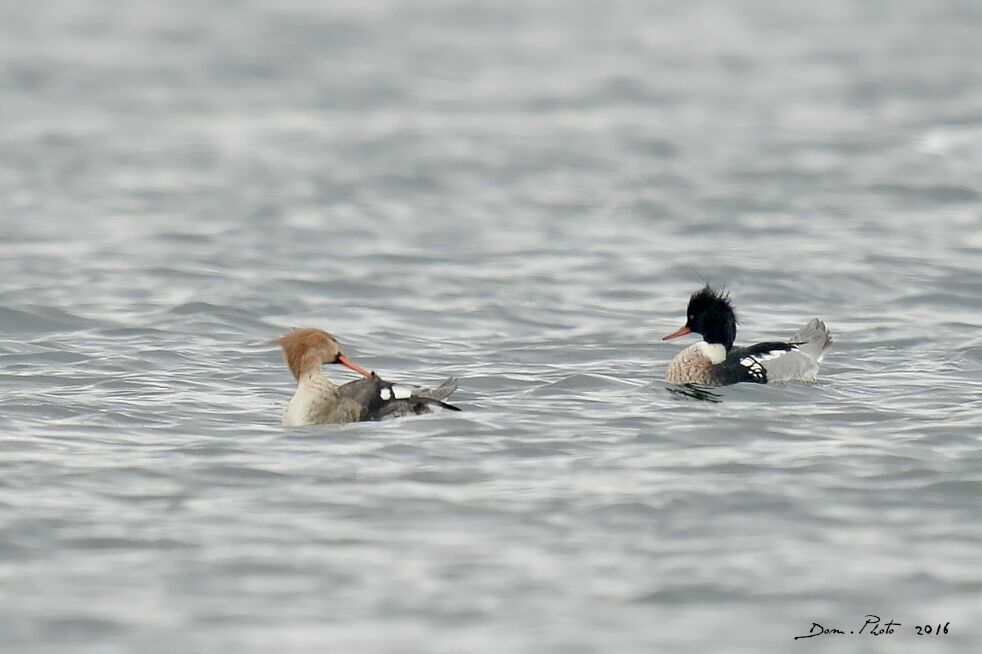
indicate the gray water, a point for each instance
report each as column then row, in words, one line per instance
column 522, row 195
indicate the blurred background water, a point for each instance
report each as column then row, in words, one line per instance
column 522, row 195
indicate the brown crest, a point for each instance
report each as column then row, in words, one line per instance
column 307, row 348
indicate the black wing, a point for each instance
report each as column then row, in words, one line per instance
column 746, row 364
column 366, row 393
column 762, row 350
column 379, row 398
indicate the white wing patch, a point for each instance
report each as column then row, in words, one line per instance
column 754, row 368
column 757, row 359
column 396, row 392
column 774, row 354
column 402, row 392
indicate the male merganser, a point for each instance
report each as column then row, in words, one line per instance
column 318, row 401
column 715, row 362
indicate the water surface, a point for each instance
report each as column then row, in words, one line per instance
column 522, row 196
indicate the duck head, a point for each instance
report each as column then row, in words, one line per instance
column 306, row 349
column 710, row 315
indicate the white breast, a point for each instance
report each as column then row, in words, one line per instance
column 310, row 403
column 715, row 352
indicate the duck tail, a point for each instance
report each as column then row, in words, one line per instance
column 429, row 396
column 813, row 339
column 441, row 392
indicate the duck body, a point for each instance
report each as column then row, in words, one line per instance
column 715, row 362
column 318, row 400
column 372, row 398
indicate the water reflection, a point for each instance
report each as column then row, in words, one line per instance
column 694, row 392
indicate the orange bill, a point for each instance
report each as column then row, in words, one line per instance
column 682, row 331
column 348, row 363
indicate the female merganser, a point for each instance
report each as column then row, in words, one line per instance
column 318, row 401
column 715, row 362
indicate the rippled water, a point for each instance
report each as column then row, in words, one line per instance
column 522, row 196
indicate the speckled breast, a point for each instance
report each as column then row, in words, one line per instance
column 690, row 366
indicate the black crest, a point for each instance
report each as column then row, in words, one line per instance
column 709, row 299
column 711, row 314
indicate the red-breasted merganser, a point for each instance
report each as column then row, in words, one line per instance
column 318, row 401
column 715, row 362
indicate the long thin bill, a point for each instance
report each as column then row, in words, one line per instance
column 682, row 331
column 348, row 363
